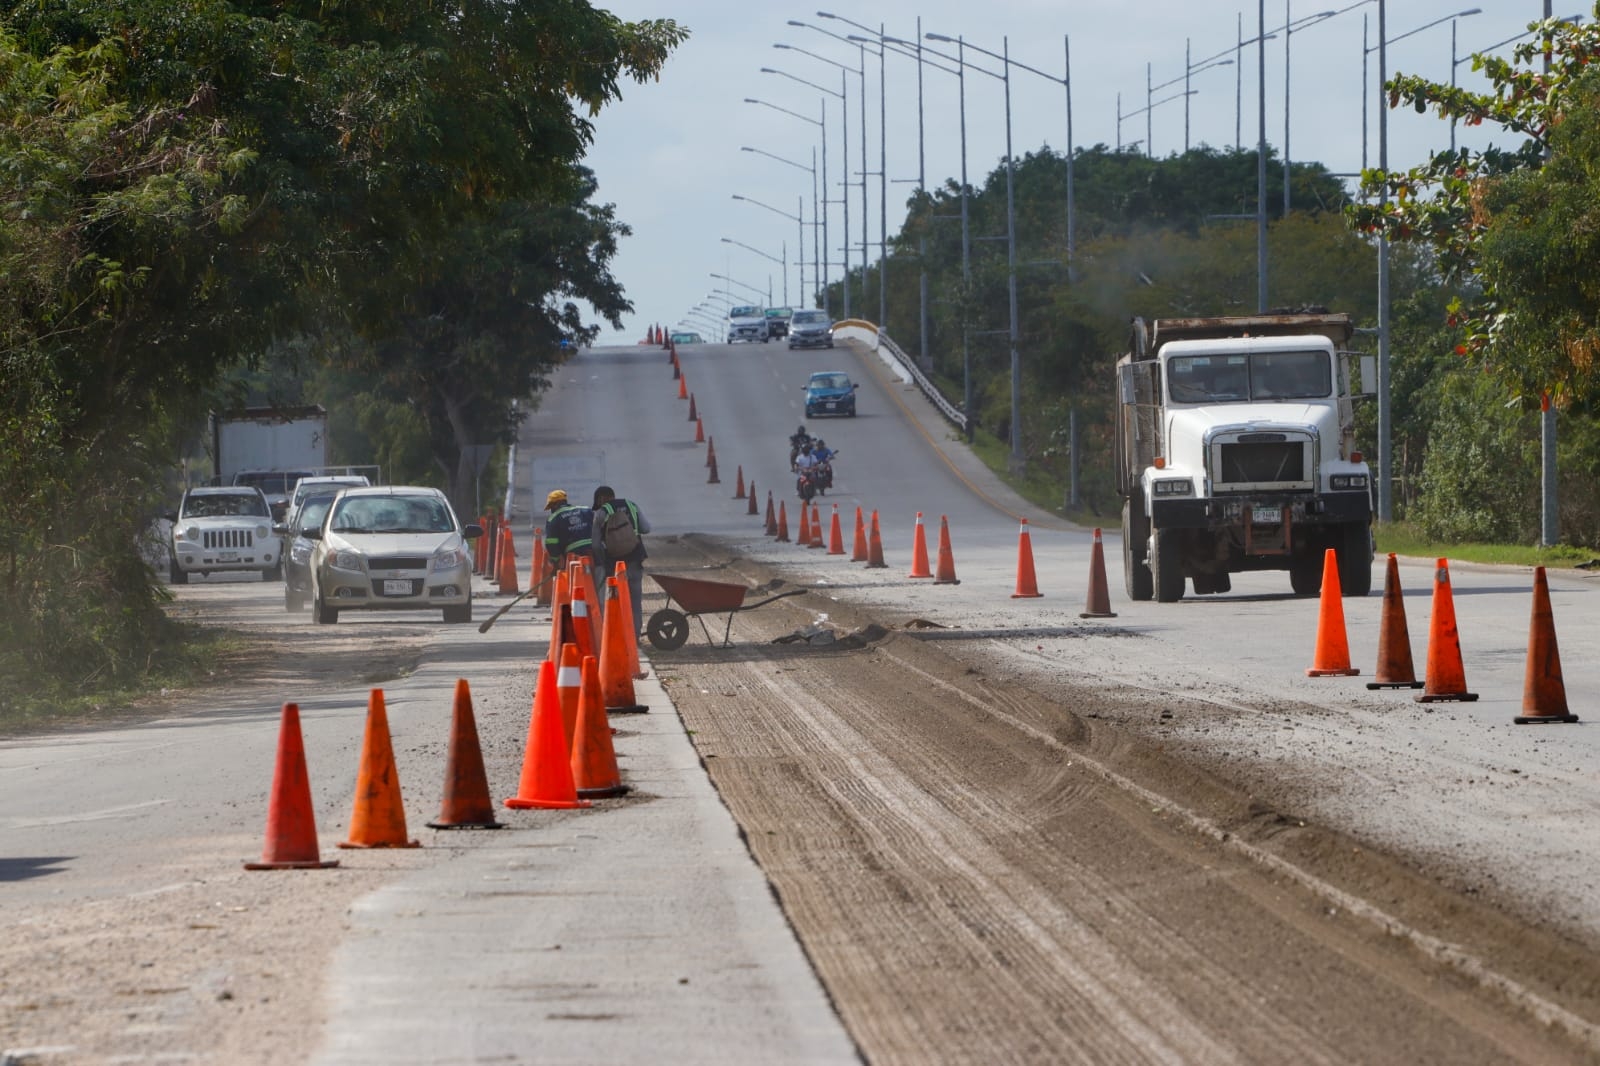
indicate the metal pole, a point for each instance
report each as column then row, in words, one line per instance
column 1288, row 29
column 783, row 254
column 1385, row 486
column 1365, row 50
column 1149, row 108
column 883, row 183
column 1551, row 525
column 966, row 249
column 819, row 270
column 863, row 69
column 827, row 249
column 1186, row 73
column 1238, row 86
column 925, row 360
column 844, row 193
column 1261, row 158
column 1453, row 78
column 800, row 220
column 1011, row 271
column 1066, row 44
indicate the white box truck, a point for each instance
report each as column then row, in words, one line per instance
column 270, row 448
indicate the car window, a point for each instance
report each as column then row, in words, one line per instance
column 808, row 318
column 219, row 505
column 391, row 514
column 313, row 511
column 745, row 312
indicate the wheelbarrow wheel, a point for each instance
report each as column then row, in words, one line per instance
column 667, row 629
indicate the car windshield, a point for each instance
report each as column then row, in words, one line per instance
column 745, row 312
column 830, row 381
column 778, row 312
column 809, row 318
column 223, row 505
column 1254, row 376
column 313, row 511
column 391, row 514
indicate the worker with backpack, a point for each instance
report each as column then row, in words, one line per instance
column 618, row 529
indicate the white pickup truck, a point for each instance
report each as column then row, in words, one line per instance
column 748, row 323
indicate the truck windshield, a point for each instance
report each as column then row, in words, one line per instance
column 745, row 312
column 1241, row 378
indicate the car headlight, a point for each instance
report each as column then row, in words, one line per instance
column 192, row 533
column 448, row 560
column 1348, row 481
column 346, row 560
column 300, row 551
column 1174, row 488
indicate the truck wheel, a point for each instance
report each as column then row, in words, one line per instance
column 273, row 573
column 1165, row 568
column 1306, row 577
column 1355, row 560
column 177, row 574
column 1135, row 569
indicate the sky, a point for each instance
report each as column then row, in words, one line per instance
column 671, row 153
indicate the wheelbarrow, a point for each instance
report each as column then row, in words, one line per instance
column 668, row 628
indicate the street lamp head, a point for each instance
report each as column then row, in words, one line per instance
column 785, row 47
column 769, row 70
column 736, row 196
column 826, row 15
column 797, row 22
column 939, row 37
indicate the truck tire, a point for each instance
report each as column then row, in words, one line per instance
column 1135, row 568
column 1306, row 577
column 273, row 573
column 1355, row 560
column 1165, row 568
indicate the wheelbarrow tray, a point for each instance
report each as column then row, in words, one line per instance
column 669, row 628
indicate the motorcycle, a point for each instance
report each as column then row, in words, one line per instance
column 806, row 485
column 795, row 445
column 824, row 475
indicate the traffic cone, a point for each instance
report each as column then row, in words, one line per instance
column 946, row 574
column 835, row 534
column 625, row 595
column 858, row 547
column 291, row 842
column 783, row 521
column 677, row 371
column 594, row 760
column 1394, row 637
column 875, row 546
column 583, row 623
column 546, row 763
column 479, row 545
column 1027, row 581
column 1099, row 601
column 738, row 483
column 616, row 673
column 546, row 580
column 699, row 431
column 568, row 678
column 466, row 803
column 1446, row 677
column 751, row 500
column 693, row 417
column 537, row 563
column 508, row 563
column 378, row 818
column 816, row 540
column 1332, row 658
column 1544, row 694
column 683, row 386
column 712, row 479
column 772, row 517
column 560, row 617
column 711, row 451
column 804, row 539
column 919, row 552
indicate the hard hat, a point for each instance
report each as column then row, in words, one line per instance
column 555, row 497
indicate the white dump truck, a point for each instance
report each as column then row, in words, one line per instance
column 1235, row 450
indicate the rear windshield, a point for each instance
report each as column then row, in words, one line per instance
column 271, row 482
column 392, row 514
column 809, row 318
column 831, row 381
column 220, row 505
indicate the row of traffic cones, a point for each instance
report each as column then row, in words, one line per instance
column 563, row 766
column 1544, row 694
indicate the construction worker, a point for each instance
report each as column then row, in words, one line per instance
column 567, row 532
column 619, row 526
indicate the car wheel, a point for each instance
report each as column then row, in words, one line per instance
column 456, row 615
column 830, row 344
column 321, row 613
column 293, row 599
column 177, row 574
column 273, row 573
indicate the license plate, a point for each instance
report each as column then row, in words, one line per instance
column 394, row 587
column 1266, row 515
column 227, row 557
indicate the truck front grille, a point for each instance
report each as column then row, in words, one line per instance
column 227, row 538
column 1262, row 462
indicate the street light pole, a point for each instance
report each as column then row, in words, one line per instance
column 844, row 113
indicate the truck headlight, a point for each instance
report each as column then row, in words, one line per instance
column 1348, row 481
column 1174, row 488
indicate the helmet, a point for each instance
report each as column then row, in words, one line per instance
column 820, row 442
column 806, row 447
column 800, row 431
column 557, row 496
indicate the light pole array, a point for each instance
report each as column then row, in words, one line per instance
column 818, row 275
column 785, row 246
column 877, row 42
column 784, row 262
column 844, row 196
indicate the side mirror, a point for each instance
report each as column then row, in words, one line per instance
column 170, row 516
column 312, row 532
column 280, row 528
column 854, row 386
column 472, row 531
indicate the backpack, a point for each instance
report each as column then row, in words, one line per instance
column 617, row 533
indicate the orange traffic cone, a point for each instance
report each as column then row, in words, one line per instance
column 1446, row 677
column 711, row 451
column 378, row 819
column 783, row 521
column 738, row 483
column 1394, row 637
column 817, row 540
column 1027, row 581
column 568, row 679
column 540, row 567
column 546, row 763
column 693, row 417
column 625, row 595
column 835, row 534
column 699, row 431
column 875, row 546
column 594, row 760
column 560, row 617
column 291, row 827
column 804, row 539
column 677, row 371
column 772, row 517
column 712, row 478
column 616, row 673
column 946, row 574
column 466, row 803
column 508, row 563
column 919, row 552
column 858, row 546
column 683, row 386
column 583, row 623
column 1332, row 658
column 1544, row 694
column 752, row 509
column 1099, row 602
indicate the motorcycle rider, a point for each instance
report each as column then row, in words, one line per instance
column 823, row 467
column 797, row 440
column 805, row 465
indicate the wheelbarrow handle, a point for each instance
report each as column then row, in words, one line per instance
column 769, row 599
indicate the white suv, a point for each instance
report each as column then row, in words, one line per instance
column 215, row 530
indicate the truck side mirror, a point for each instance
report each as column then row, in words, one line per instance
column 170, row 516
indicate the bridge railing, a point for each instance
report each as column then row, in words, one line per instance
column 901, row 363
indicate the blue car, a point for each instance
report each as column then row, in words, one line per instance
column 830, row 392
